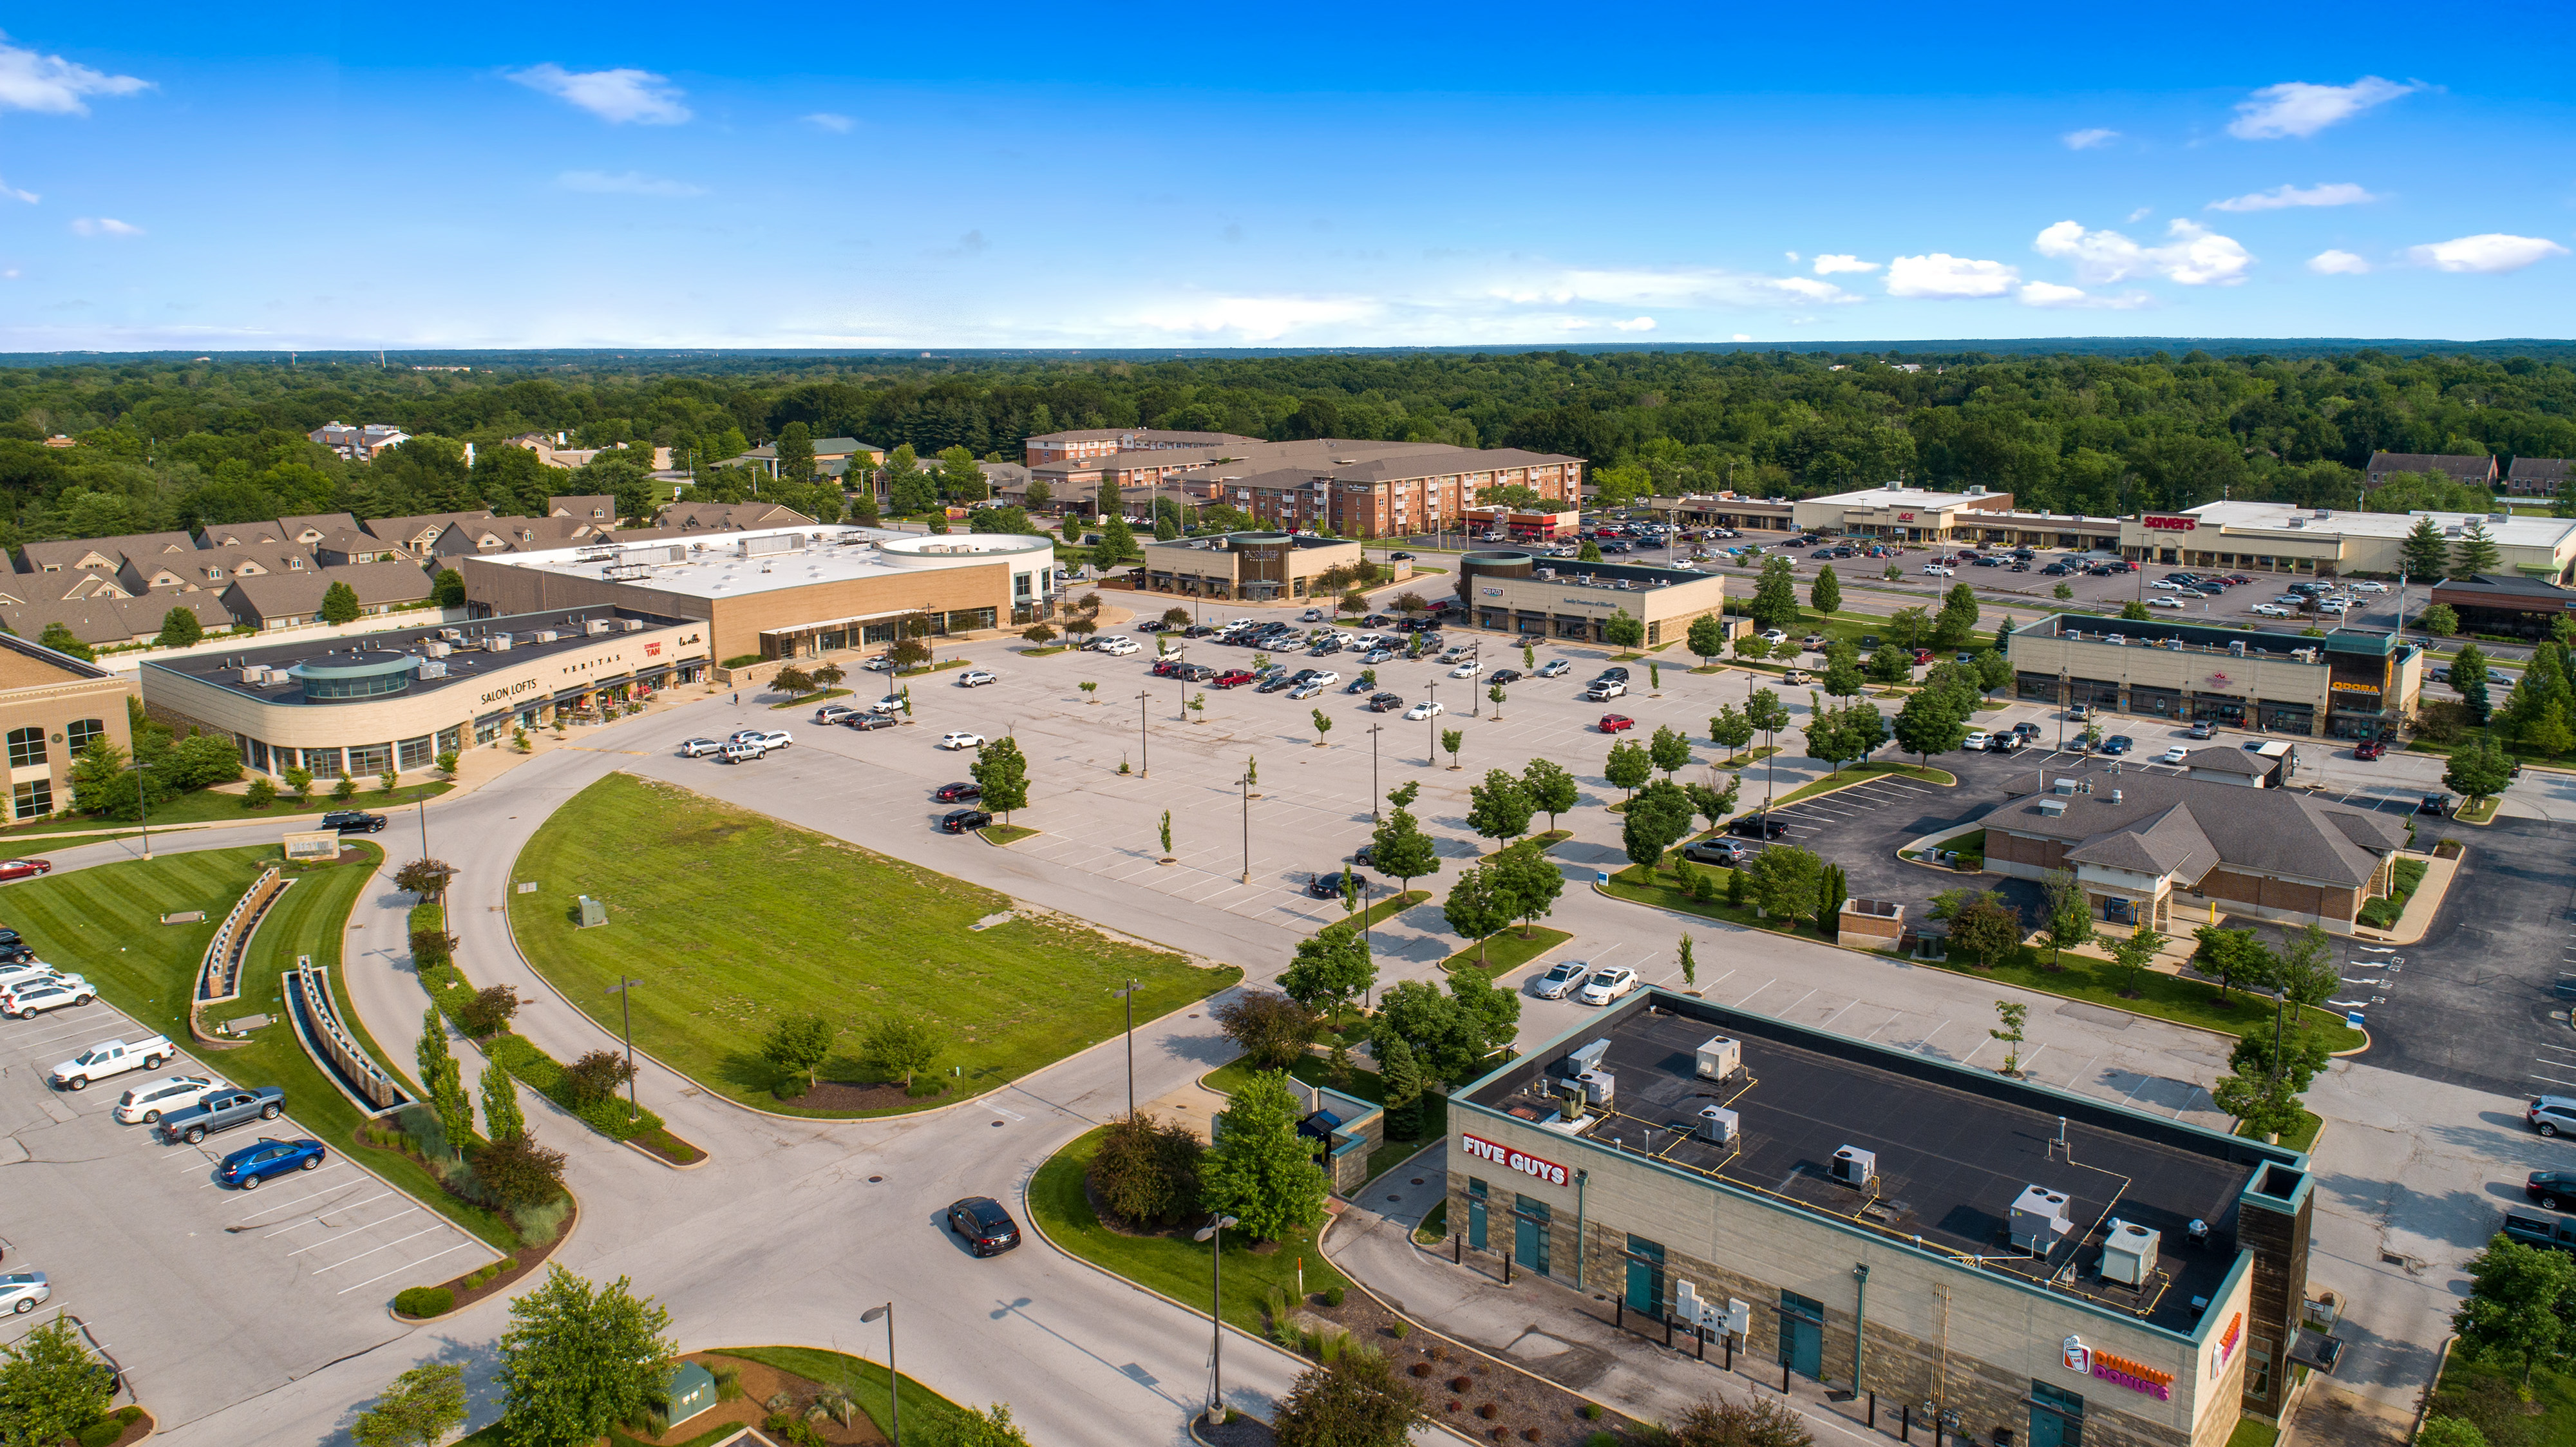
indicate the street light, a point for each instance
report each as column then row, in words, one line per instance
column 1375, row 793
column 1215, row 1231
column 1144, row 758
column 142, row 802
column 1245, row 783
column 894, row 1383
column 626, row 1008
column 1130, row 993
column 1431, row 755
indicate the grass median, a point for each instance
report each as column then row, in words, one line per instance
column 1174, row 1265
column 105, row 923
column 749, row 921
column 211, row 806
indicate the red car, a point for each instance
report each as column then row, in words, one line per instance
column 1922, row 656
column 1233, row 678
column 958, row 793
column 1612, row 723
column 25, row 868
column 2369, row 749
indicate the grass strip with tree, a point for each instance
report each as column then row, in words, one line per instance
column 814, row 929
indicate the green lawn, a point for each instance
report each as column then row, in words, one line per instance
column 746, row 920
column 1634, row 885
column 2481, row 812
column 1749, row 756
column 207, row 806
column 1507, row 951
column 803, row 699
column 2301, row 1138
column 2487, row 1395
column 1384, row 909
column 1173, row 1265
column 1005, row 834
column 2251, row 1432
column 865, row 1381
column 1435, row 1227
column 2166, row 997
column 105, row 922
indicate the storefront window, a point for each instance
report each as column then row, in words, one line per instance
column 877, row 632
column 2038, row 686
column 2219, row 708
column 78, row 734
column 832, row 642
column 2160, row 702
column 491, row 727
column 322, row 763
column 451, row 739
column 33, row 799
column 415, row 753
column 2289, row 718
column 26, row 748
column 366, row 760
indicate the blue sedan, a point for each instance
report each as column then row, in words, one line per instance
column 2118, row 744
column 253, row 1164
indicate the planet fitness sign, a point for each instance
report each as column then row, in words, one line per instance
column 2118, row 1370
column 1528, row 1165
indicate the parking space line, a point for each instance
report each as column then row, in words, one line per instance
column 406, row 1266
column 316, row 1216
column 370, row 1226
column 388, row 1246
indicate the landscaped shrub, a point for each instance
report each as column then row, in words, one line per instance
column 419, row 1301
column 489, row 1010
column 541, row 1221
column 596, row 1077
column 740, row 660
column 520, row 1171
column 1332, row 1296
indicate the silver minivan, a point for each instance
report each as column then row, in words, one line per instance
column 145, row 1104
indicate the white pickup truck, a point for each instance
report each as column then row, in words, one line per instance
column 112, row 1057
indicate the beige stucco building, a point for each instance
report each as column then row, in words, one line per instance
column 1513, row 592
column 1258, row 566
column 2352, row 683
column 2321, row 542
column 2042, row 1268
column 398, row 700
column 51, row 706
column 1899, row 514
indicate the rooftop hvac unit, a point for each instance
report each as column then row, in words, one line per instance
column 2129, row 1254
column 2118, row 640
column 1720, row 1057
column 429, row 668
column 2063, row 785
column 256, row 673
column 2236, row 646
column 1717, row 1125
column 2052, row 807
column 630, row 625
column 1854, row 1166
column 452, row 635
column 1600, row 1087
column 497, row 642
column 544, row 635
column 2115, row 794
column 2039, row 1220
column 774, row 543
column 436, row 647
column 1587, row 1058
column 597, row 626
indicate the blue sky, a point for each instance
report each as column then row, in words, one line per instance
column 658, row 175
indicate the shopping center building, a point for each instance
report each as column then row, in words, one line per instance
column 2272, row 537
column 1513, row 592
column 397, row 700
column 2353, row 683
column 1255, row 566
column 791, row 592
column 2034, row 1266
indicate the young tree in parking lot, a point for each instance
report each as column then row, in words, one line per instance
column 1451, row 741
column 2062, row 592
column 829, row 675
column 2012, row 1015
column 1707, row 637
column 1826, row 593
column 2066, row 918
column 2439, row 620
column 902, row 1046
column 443, row 1082
column 1843, row 678
column 1994, row 672
column 1002, row 772
column 1146, row 1170
column 1890, row 664
column 1475, row 909
column 1986, row 928
column 1323, row 725
column 1176, row 617
column 1628, row 765
column 1711, row 804
column 1654, row 821
column 578, row 1359
column 1669, row 749
column 502, row 1118
column 1039, row 634
column 2133, row 954
column 799, row 1044
column 2234, row 956
column 1930, row 723
column 793, row 681
column 419, row 1409
column 1260, row 1170
column 1624, row 630
column 1526, row 884
column 1730, row 729
column 51, row 1386
column 1332, row 968
column 2478, row 770
column 1499, row 808
column 1399, row 848
column 1550, row 788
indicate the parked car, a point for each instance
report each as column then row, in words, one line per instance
column 1329, row 886
column 832, row 713
column 1977, row 739
column 1506, row 675
column 959, row 739
column 964, row 791
column 2007, row 743
column 2164, row 602
column 354, row 821
column 1425, row 709
column 146, row 1104
column 1306, row 690
column 1607, row 984
column 2118, row 744
column 28, row 1001
column 1716, row 851
column 2555, row 1190
column 977, row 678
column 247, row 1167
column 879, row 664
column 2201, row 729
column 772, row 739
column 1604, row 691
column 1554, row 668
column 2438, row 804
column 1117, row 647
column 23, row 1291
column 1232, row 678
column 1935, row 570
column 891, row 704
column 1615, row 723
column 866, row 721
column 699, row 748
column 984, row 1225
column 1384, row 702
column 2026, row 730
column 112, row 1057
column 958, row 821
column 1613, row 675
column 2369, row 749
column 2269, row 610
column 1757, row 826
column 221, row 1110
column 1562, row 979
column 742, row 751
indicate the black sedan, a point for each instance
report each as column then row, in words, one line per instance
column 1758, row 826
column 865, row 721
column 1505, row 675
column 1274, row 685
column 2118, row 744
column 958, row 821
column 1385, row 702
column 354, row 821
column 1619, row 674
column 961, row 792
column 2555, row 1190
column 1329, row 886
column 986, row 1227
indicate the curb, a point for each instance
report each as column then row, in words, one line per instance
column 704, row 1155
column 2424, row 1402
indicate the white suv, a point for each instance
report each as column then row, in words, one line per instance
column 145, row 1104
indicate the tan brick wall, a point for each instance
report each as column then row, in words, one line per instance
column 54, row 707
column 737, row 622
column 2015, row 849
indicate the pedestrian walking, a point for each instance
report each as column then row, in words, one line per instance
column 737, row 700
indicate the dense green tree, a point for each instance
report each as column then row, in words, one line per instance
column 180, row 629
column 901, row 1046
column 795, row 448
column 1398, row 847
column 1446, row 1043
column 1624, row 629
column 799, row 1044
column 1931, row 722
column 1259, row 1170
column 419, row 1409
column 2477, row 770
column 1331, row 969
column 577, row 1359
column 1354, row 1400
column 1526, row 884
column 1730, row 729
column 51, row 1387
column 61, row 639
column 1002, row 772
column 1909, row 628
column 340, row 604
column 1272, row 1030
column 2520, row 1303
column 1784, row 880
column 1825, row 595
column 1669, row 749
column 2469, row 677
column 1654, row 821
column 2426, row 552
column 1957, row 621
column 1843, row 678
column 2475, row 552
column 1146, row 1170
column 1550, row 788
column 1775, row 594
column 1707, row 637
column 1499, row 808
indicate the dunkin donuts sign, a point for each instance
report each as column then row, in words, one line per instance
column 1526, row 1164
column 2094, row 1362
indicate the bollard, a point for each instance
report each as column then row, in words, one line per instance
column 1730, row 1351
column 1507, row 1268
column 1905, row 1423
column 1700, row 1334
column 1873, row 1411
column 1458, row 1249
column 1668, row 1333
column 1619, row 1312
column 1784, row 1379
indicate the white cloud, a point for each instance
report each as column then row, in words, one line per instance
column 104, row 226
column 837, row 124
column 2050, row 295
column 33, row 82
column 1941, row 276
column 1828, row 265
column 2297, row 108
column 2491, row 253
column 1637, row 324
column 2281, row 198
column 14, row 194
column 2141, row 214
column 612, row 95
column 1793, row 257
column 1254, row 318
column 1744, row 336
column 2088, row 139
column 2337, row 263
column 626, row 183
column 2196, row 256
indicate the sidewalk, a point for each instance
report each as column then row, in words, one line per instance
column 1547, row 1328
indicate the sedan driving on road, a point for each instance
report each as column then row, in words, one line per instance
column 986, row 1227
column 354, row 821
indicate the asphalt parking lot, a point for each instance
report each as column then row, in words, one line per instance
column 197, row 1291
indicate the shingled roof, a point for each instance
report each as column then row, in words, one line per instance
column 2166, row 824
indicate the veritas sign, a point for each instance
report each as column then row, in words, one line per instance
column 1505, row 1156
column 2169, row 524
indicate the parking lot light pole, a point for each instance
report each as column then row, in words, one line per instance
column 1375, row 793
column 1144, row 755
column 1431, row 754
column 143, row 803
column 894, row 1384
column 1245, row 783
column 1130, row 993
column 626, row 1009
column 1215, row 1231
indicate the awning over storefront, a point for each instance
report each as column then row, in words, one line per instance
column 818, row 625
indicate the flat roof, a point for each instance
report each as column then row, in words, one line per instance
column 1892, row 496
column 1955, row 1147
column 464, row 665
column 714, row 564
column 2522, row 530
column 2209, row 637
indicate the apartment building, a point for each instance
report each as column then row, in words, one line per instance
column 361, row 443
column 2536, row 476
column 2476, row 471
column 1105, row 441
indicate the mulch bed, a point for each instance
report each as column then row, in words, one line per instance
column 136, row 1430
column 848, row 1095
column 1243, row 1431
column 759, row 1382
column 521, row 1262
column 1466, row 1391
